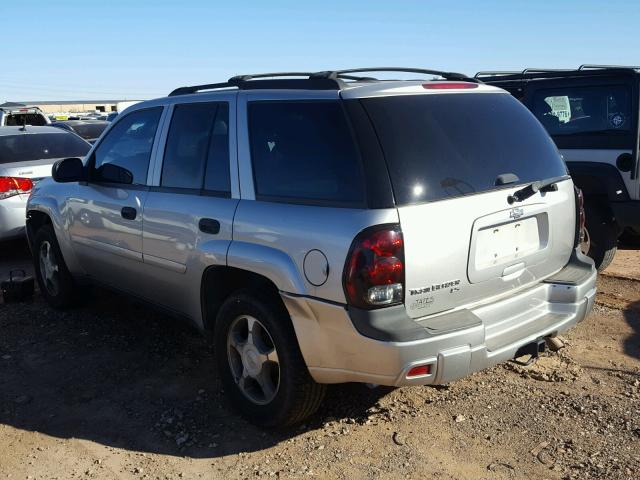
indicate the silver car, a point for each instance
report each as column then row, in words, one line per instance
column 327, row 228
column 26, row 156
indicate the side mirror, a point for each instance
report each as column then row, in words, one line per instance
column 68, row 170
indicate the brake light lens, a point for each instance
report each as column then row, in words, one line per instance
column 11, row 186
column 449, row 85
column 374, row 271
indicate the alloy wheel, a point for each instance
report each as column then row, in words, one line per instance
column 253, row 359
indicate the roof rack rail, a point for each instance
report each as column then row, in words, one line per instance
column 325, row 80
column 494, row 73
column 596, row 67
column 551, row 71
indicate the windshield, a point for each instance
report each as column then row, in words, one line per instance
column 39, row 146
column 444, row 146
column 598, row 109
column 89, row 131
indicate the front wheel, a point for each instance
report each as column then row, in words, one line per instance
column 600, row 241
column 55, row 281
column 260, row 363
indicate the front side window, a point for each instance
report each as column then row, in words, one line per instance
column 123, row 155
column 304, row 151
column 197, row 151
column 598, row 109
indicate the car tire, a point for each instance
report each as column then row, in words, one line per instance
column 602, row 237
column 263, row 373
column 55, row 282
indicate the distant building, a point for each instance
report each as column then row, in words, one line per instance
column 49, row 106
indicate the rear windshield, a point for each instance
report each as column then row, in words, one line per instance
column 444, row 146
column 89, row 131
column 598, row 109
column 39, row 146
column 19, row 119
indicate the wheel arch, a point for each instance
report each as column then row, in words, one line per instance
column 220, row 281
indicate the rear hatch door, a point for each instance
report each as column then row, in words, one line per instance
column 454, row 160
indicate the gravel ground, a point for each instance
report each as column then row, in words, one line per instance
column 111, row 390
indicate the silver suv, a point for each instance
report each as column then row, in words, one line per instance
column 326, row 228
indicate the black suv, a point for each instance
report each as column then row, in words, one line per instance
column 592, row 114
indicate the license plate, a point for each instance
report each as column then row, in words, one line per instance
column 510, row 241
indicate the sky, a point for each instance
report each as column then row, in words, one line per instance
column 135, row 49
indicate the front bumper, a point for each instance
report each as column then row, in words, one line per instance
column 335, row 351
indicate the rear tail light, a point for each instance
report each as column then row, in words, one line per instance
column 11, row 186
column 580, row 217
column 374, row 271
column 449, row 85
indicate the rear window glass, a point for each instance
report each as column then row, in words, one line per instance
column 304, row 151
column 39, row 146
column 584, row 110
column 443, row 146
column 19, row 119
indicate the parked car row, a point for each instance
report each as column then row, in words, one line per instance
column 90, row 130
column 326, row 227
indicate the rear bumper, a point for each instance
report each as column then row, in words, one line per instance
column 455, row 344
column 12, row 217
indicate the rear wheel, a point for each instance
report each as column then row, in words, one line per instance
column 260, row 363
column 600, row 237
column 54, row 279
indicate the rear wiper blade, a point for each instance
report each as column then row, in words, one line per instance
column 548, row 185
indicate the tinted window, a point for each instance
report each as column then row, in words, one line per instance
column 36, row 146
column 198, row 142
column 304, row 151
column 442, row 146
column 128, row 145
column 580, row 110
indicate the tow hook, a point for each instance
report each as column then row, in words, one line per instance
column 533, row 350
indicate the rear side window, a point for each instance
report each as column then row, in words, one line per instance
column 39, row 146
column 304, row 152
column 128, row 146
column 197, row 151
column 444, row 146
column 598, row 109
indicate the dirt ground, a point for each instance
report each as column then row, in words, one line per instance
column 111, row 390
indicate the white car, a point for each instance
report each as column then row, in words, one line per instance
column 22, row 115
column 26, row 156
